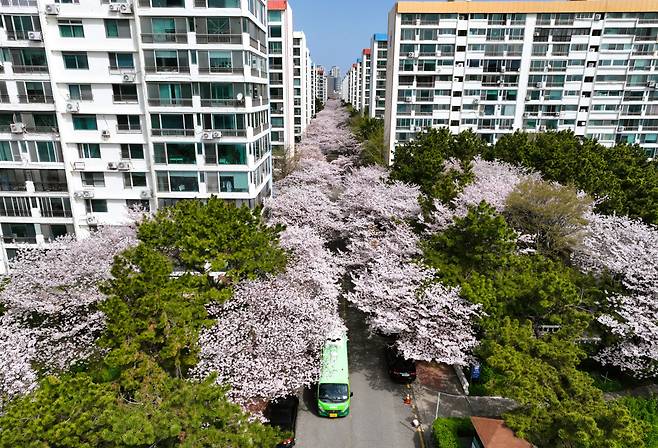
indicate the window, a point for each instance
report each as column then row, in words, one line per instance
column 128, row 123
column 5, row 152
column 71, row 28
column 178, row 181
column 80, row 92
column 121, row 61
column 138, row 204
column 117, row 28
column 132, row 151
column 132, row 180
column 174, row 153
column 93, row 179
column 275, row 31
column 47, row 152
column 96, row 205
column 124, row 93
column 75, row 60
column 85, row 122
column 274, row 16
column 89, row 150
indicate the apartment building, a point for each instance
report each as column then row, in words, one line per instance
column 282, row 90
column 321, row 84
column 107, row 105
column 364, row 96
column 333, row 80
column 378, row 51
column 301, row 64
column 588, row 66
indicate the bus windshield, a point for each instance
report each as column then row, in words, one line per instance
column 332, row 393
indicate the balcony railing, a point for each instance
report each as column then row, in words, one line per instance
column 232, row 132
column 26, row 99
column 218, row 38
column 30, row 68
column 12, row 239
column 119, row 98
column 12, row 186
column 18, row 35
column 167, row 69
column 115, row 69
column 4, row 98
column 50, row 186
column 42, row 129
column 219, row 102
column 18, row 2
column 261, row 128
column 128, row 129
column 221, row 70
column 172, row 132
column 156, row 38
column 181, row 102
column 56, row 213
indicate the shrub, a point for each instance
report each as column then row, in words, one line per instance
column 447, row 431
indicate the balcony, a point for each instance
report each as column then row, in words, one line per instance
column 157, row 38
column 30, row 68
column 50, row 186
column 125, row 99
column 18, row 2
column 205, row 70
column 56, row 213
column 221, row 102
column 29, row 99
column 128, row 129
column 231, row 132
column 172, row 132
column 4, row 98
column 173, row 102
column 18, row 35
column 12, row 186
column 42, row 129
column 218, row 38
column 13, row 239
column 167, row 69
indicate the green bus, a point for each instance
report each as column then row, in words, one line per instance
column 334, row 386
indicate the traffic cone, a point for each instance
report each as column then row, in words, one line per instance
column 407, row 399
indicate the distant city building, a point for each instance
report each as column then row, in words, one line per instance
column 378, row 50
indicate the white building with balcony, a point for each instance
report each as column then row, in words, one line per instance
column 588, row 66
column 378, row 51
column 107, row 105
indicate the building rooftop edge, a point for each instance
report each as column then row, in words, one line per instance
column 557, row 6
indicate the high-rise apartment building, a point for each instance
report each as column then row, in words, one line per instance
column 364, row 96
column 282, row 90
column 321, row 84
column 301, row 64
column 104, row 105
column 333, row 80
column 587, row 66
column 378, row 50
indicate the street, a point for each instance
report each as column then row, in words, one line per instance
column 378, row 417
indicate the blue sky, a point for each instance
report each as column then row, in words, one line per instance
column 337, row 30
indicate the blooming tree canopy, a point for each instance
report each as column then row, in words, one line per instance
column 51, row 318
column 628, row 249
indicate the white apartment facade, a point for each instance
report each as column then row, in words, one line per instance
column 109, row 105
column 321, row 84
column 301, row 79
column 282, row 91
column 364, row 96
column 378, row 51
column 587, row 66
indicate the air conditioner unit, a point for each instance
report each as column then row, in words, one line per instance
column 537, row 34
column 438, row 53
column 105, row 133
column 112, row 166
column 460, row 64
column 126, row 8
column 92, row 220
column 34, row 35
column 17, row 128
column 116, row 7
column 216, row 134
column 78, row 166
column 503, row 69
column 72, row 106
column 206, row 136
column 52, row 9
column 539, row 85
column 145, row 194
column 123, row 166
column 542, row 128
column 408, row 99
column 598, row 16
column 88, row 194
column 621, row 128
column 78, row 194
column 411, row 54
column 128, row 77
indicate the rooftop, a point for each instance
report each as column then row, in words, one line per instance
column 494, row 434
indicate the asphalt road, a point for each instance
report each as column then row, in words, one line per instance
column 378, row 416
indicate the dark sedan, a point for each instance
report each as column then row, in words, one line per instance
column 400, row 369
column 282, row 413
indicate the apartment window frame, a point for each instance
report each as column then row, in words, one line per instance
column 70, row 28
column 96, row 206
column 117, row 28
column 75, row 60
column 89, row 150
column 85, row 122
column 94, row 179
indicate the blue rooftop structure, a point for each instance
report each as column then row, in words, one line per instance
column 380, row 37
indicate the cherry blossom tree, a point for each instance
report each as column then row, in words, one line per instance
column 430, row 320
column 628, row 249
column 51, row 320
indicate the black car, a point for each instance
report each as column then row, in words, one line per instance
column 282, row 413
column 399, row 368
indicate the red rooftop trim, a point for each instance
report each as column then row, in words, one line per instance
column 366, row 51
column 277, row 5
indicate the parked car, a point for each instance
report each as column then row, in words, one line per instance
column 399, row 368
column 282, row 413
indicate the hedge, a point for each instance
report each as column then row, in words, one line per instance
column 447, row 431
